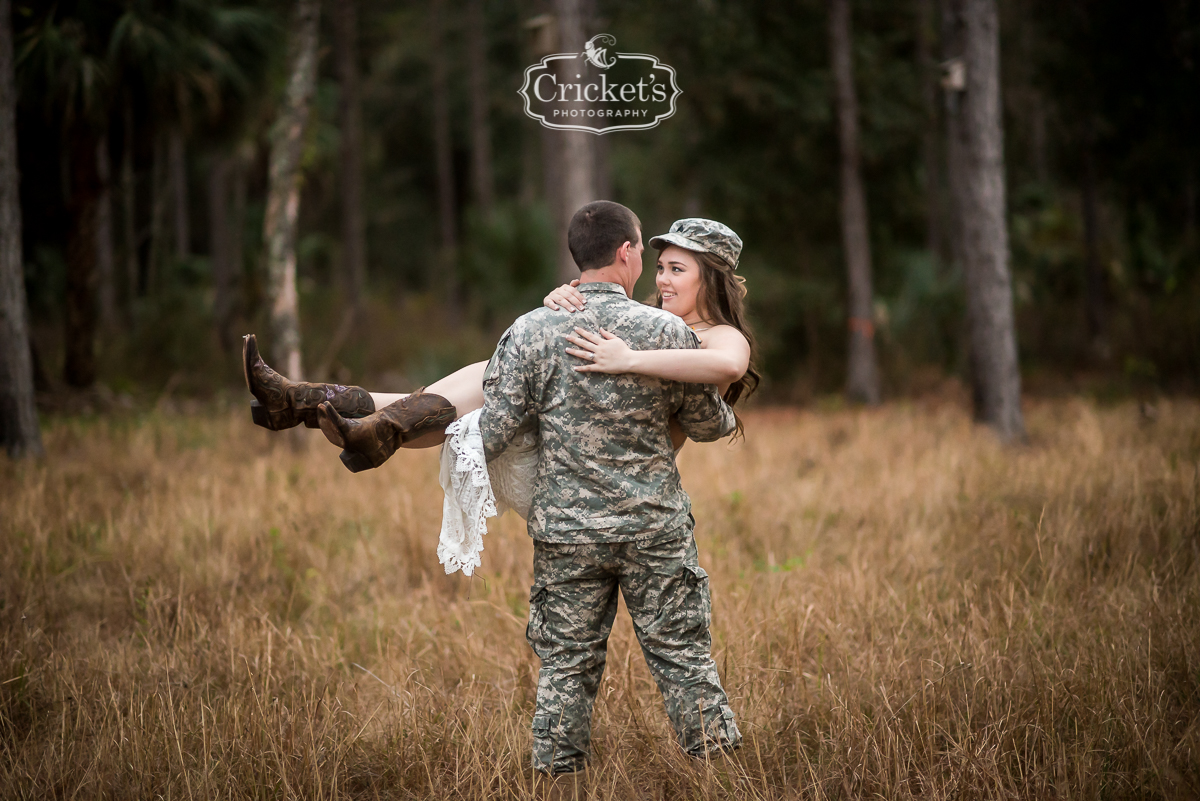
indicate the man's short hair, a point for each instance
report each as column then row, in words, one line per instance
column 598, row 230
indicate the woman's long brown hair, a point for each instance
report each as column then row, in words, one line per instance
column 722, row 297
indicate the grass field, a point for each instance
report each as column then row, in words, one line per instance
column 902, row 608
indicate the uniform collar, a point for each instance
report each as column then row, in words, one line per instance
column 603, row 286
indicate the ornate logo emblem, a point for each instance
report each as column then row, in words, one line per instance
column 596, row 55
column 600, row 91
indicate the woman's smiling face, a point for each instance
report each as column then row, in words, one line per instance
column 678, row 281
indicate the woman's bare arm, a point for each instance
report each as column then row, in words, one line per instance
column 722, row 359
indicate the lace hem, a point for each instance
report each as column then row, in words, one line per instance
column 469, row 498
column 476, row 490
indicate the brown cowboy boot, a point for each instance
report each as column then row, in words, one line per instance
column 371, row 441
column 280, row 403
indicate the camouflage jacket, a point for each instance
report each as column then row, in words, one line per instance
column 607, row 469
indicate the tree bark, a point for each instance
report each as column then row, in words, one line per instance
column 1189, row 203
column 931, row 154
column 218, row 247
column 603, row 176
column 105, row 257
column 158, row 213
column 544, row 41
column 481, row 133
column 132, row 242
column 527, row 189
column 551, row 179
column 1037, row 136
column 283, row 188
column 443, row 158
column 79, row 369
column 577, row 167
column 976, row 168
column 237, row 227
column 862, row 373
column 354, row 242
column 177, row 166
column 1095, row 281
column 19, row 430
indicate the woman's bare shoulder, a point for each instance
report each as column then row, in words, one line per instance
column 723, row 336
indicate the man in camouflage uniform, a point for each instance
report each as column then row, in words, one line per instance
column 608, row 508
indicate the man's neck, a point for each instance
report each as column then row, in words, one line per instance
column 612, row 274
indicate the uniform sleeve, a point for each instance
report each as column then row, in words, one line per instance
column 703, row 415
column 505, row 396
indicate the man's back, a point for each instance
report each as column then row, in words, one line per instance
column 607, row 471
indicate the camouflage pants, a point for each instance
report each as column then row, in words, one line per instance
column 572, row 606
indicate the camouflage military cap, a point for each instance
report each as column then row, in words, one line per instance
column 705, row 236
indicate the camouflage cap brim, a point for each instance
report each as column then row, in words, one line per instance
column 661, row 241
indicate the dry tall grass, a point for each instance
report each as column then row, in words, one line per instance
column 901, row 608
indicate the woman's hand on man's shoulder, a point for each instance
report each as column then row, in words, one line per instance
column 565, row 298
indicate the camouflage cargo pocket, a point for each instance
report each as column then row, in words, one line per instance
column 535, row 630
column 699, row 596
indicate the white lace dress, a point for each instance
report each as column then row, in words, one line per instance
column 476, row 490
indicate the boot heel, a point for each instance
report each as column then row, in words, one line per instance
column 279, row 421
column 356, row 462
column 260, row 415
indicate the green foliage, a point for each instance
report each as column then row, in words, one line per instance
column 507, row 261
column 753, row 144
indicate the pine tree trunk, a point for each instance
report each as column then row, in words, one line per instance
column 544, row 42
column 79, row 369
column 19, row 431
column 577, row 166
column 481, row 132
column 105, row 257
column 527, row 189
column 862, row 374
column 177, row 160
column 930, row 151
column 1037, row 136
column 354, row 242
column 1189, row 203
column 976, row 169
column 550, row 145
column 1095, row 281
column 283, row 188
column 443, row 159
column 237, row 225
column 603, row 176
column 158, row 214
column 133, row 279
column 218, row 248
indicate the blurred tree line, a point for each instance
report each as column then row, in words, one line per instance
column 431, row 211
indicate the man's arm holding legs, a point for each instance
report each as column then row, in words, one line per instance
column 505, row 396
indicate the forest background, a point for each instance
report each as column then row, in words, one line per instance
column 934, row 195
column 461, row 206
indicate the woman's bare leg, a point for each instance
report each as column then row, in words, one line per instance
column 463, row 388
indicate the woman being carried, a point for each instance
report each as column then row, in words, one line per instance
column 695, row 280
